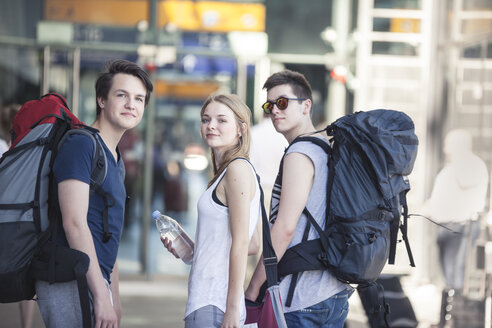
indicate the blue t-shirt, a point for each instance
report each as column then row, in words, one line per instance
column 74, row 161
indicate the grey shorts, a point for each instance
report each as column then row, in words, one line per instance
column 59, row 303
column 205, row 317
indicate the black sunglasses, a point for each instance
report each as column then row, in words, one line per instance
column 281, row 102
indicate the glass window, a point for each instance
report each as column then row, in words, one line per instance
column 19, row 74
column 477, row 4
column 393, row 48
column 397, row 4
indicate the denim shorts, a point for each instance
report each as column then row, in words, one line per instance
column 208, row 316
column 330, row 313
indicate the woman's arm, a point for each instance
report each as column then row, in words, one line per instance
column 255, row 242
column 297, row 180
column 239, row 188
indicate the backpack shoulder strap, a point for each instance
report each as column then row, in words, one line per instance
column 317, row 141
column 98, row 173
column 328, row 150
column 99, row 160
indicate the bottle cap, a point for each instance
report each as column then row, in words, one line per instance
column 156, row 215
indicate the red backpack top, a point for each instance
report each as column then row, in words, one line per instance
column 39, row 111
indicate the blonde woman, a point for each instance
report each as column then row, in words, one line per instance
column 228, row 212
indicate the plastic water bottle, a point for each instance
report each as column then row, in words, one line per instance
column 181, row 242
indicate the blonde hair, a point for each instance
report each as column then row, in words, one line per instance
column 242, row 113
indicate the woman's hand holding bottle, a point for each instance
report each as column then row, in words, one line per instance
column 172, row 233
column 169, row 245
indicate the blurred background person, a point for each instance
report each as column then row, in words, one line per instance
column 456, row 203
column 267, row 149
column 6, row 117
column 457, row 199
column 175, row 190
column 131, row 154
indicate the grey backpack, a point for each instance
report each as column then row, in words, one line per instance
column 29, row 210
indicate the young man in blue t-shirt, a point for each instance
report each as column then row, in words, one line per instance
column 122, row 92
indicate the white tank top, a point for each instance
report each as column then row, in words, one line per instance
column 209, row 276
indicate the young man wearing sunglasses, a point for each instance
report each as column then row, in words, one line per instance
column 318, row 299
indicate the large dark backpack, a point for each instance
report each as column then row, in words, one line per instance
column 29, row 209
column 370, row 156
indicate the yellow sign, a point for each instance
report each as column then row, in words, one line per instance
column 405, row 25
column 102, row 12
column 185, row 89
column 210, row 16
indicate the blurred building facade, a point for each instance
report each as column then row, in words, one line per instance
column 429, row 58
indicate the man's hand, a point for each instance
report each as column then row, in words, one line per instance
column 104, row 313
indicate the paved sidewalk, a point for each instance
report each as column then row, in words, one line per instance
column 161, row 301
column 146, row 304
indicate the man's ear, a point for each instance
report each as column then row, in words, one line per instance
column 307, row 106
column 100, row 102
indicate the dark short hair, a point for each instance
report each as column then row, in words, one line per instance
column 105, row 79
column 298, row 82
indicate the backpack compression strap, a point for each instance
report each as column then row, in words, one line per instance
column 404, row 226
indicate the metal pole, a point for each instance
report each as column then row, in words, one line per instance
column 76, row 81
column 486, row 277
column 149, row 154
column 45, row 83
column 454, row 59
column 364, row 26
column 262, row 71
column 488, row 306
column 337, row 91
column 241, row 85
column 147, row 183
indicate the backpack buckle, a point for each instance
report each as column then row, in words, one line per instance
column 381, row 215
column 323, row 257
column 107, row 236
column 270, row 260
